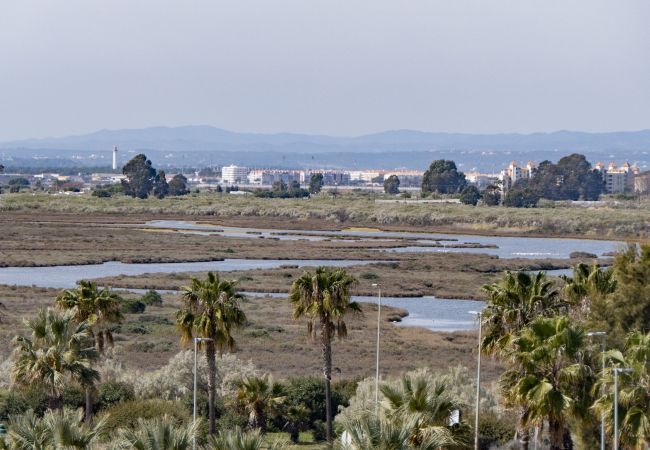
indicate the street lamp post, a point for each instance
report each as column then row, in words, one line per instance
column 378, row 286
column 617, row 370
column 602, row 335
column 196, row 342
column 478, row 377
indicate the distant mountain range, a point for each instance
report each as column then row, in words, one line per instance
column 204, row 144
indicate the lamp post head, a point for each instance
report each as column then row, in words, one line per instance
column 474, row 313
column 623, row 370
column 597, row 333
column 203, row 339
column 375, row 284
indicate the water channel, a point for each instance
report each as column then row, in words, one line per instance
column 503, row 247
column 428, row 312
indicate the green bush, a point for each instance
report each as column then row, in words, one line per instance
column 319, row 431
column 369, row 276
column 310, row 392
column 495, row 429
column 470, row 195
column 113, row 392
column 74, row 396
column 151, row 298
column 18, row 401
column 126, row 414
column 133, row 307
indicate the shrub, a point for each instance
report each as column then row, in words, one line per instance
column 521, row 197
column 126, row 414
column 74, row 396
column 318, row 429
column 151, row 298
column 113, row 392
column 470, row 195
column 175, row 379
column 18, row 401
column 310, row 392
column 133, row 307
column 369, row 276
column 495, row 429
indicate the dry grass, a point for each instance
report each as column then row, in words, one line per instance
column 616, row 219
column 271, row 339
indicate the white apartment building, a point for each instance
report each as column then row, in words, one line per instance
column 514, row 173
column 234, row 174
column 269, row 176
column 617, row 179
column 482, row 180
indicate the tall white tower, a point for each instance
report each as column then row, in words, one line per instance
column 115, row 157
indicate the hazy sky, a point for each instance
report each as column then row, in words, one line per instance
column 324, row 66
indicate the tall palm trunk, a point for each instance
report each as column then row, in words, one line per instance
column 327, row 371
column 210, row 355
column 523, row 433
column 54, row 401
column 556, row 434
column 89, row 405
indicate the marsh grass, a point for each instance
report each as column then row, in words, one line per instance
column 614, row 219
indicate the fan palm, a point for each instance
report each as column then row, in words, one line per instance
column 634, row 392
column 296, row 420
column 58, row 350
column 368, row 431
column 323, row 297
column 161, row 433
column 56, row 430
column 588, row 284
column 258, row 395
column 551, row 352
column 514, row 302
column 211, row 310
column 239, row 440
column 100, row 308
column 425, row 407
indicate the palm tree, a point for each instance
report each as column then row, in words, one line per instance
column 369, row 431
column 296, row 419
column 551, row 352
column 100, row 309
column 59, row 349
column 425, row 407
column 161, row 433
column 258, row 395
column 323, row 297
column 634, row 392
column 56, row 430
column 588, row 285
column 514, row 302
column 239, row 440
column 211, row 310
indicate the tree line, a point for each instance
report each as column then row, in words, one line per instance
column 143, row 180
column 571, row 178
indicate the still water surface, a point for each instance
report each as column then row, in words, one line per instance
column 503, row 247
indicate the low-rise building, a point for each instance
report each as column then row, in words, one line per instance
column 617, row 179
column 482, row 180
column 234, row 174
column 514, row 173
column 267, row 177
